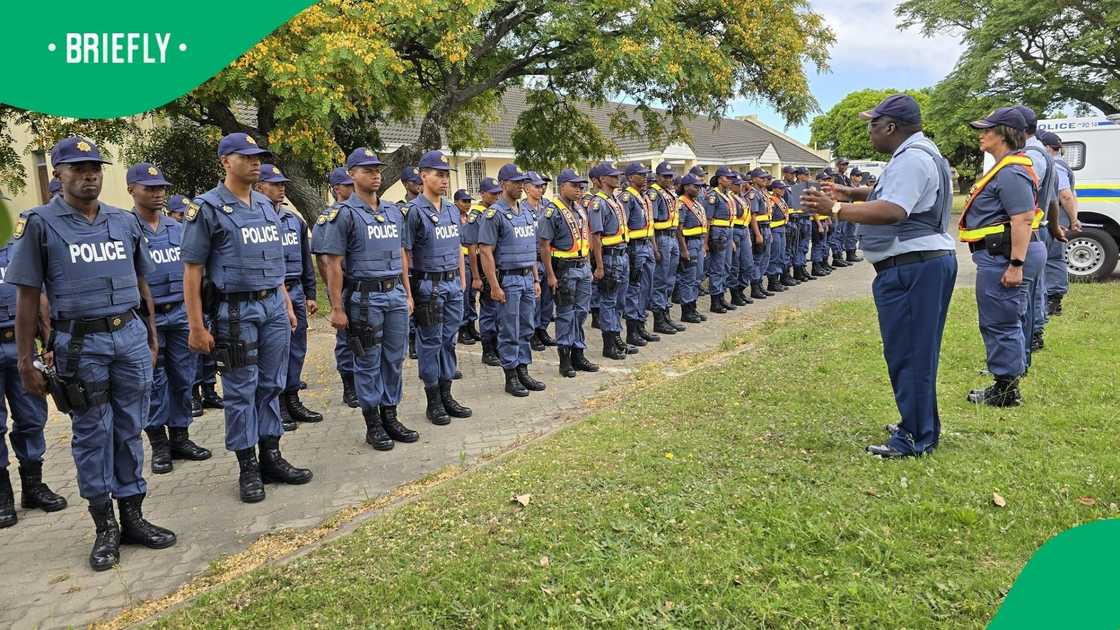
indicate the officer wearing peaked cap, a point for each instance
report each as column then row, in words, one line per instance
column 671, row 246
column 177, row 207
column 91, row 260
column 54, row 187
column 1057, row 272
column 607, row 222
column 760, row 208
column 413, row 185
column 720, row 213
column 546, row 308
column 643, row 254
column 822, row 228
column 694, row 229
column 342, row 186
column 233, row 234
column 488, row 192
column 468, row 334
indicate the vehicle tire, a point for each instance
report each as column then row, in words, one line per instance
column 1091, row 255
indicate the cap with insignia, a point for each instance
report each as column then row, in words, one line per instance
column 145, row 174
column 665, row 168
column 536, row 179
column 177, row 203
column 570, row 175
column 636, row 168
column 411, row 175
column 339, row 177
column 510, row 173
column 75, row 150
column 488, row 185
column 362, row 157
column 725, row 171
column 462, row 195
column 688, row 179
column 434, row 160
column 272, row 175
column 605, row 169
column 240, row 143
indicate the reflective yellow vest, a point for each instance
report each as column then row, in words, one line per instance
column 621, row 236
column 647, row 231
column 579, row 233
column 671, row 202
column 697, row 211
column 972, row 235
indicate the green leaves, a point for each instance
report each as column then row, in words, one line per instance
column 841, row 129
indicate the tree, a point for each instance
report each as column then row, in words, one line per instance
column 186, row 153
column 841, row 130
column 1022, row 51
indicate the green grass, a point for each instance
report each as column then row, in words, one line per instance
column 958, row 203
column 738, row 496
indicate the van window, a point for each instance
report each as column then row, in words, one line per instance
column 1074, row 154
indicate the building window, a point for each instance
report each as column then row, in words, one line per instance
column 473, row 171
column 1074, row 154
column 42, row 174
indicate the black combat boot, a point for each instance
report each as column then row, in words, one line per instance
column 276, row 469
column 196, row 401
column 513, row 384
column 465, row 337
column 161, row 450
column 622, row 345
column 773, row 284
column 727, row 305
column 1036, row 342
column 349, row 394
column 817, row 271
column 611, row 349
column 210, row 397
column 633, row 338
column 679, row 327
column 546, row 339
column 136, row 530
column 182, row 447
column 394, row 428
column 1054, row 305
column 535, row 343
column 853, row 257
column 529, row 382
column 375, row 432
column 838, row 261
column 7, row 501
column 450, row 405
column 594, row 318
column 805, row 275
column 565, row 354
column 249, row 483
column 296, row 410
column 435, row 412
column 1004, row 392
column 689, row 314
column 648, row 336
column 737, row 297
column 580, row 362
column 675, row 295
column 716, row 305
column 106, row 551
column 286, row 419
column 757, row 292
column 661, row 323
column 490, row 352
column 473, row 331
column 788, row 280
column 412, row 346
column 35, row 493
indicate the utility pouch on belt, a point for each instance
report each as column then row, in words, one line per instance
column 565, row 293
column 54, row 386
column 609, row 282
column 231, row 354
column 635, row 271
column 362, row 337
column 999, row 244
column 429, row 312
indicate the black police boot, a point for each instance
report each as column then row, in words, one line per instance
column 450, row 405
column 458, row 375
column 689, row 314
column 137, row 530
column 276, row 469
column 7, row 501
column 465, row 337
column 395, row 429
column 349, row 394
column 286, row 419
column 375, row 432
column 661, row 323
column 773, row 284
column 490, row 352
column 853, row 257
column 513, row 384
column 545, row 338
column 1054, row 305
column 746, row 298
column 535, row 343
column 196, row 401
column 737, row 297
column 297, row 410
column 473, row 331
column 622, row 345
column 676, row 325
column 580, row 362
column 838, row 261
column 648, row 336
column 727, row 305
column 182, row 447
column 106, row 551
column 611, row 349
column 716, row 305
column 161, row 450
column 817, row 271
column 249, row 484
column 675, row 295
column 788, row 280
column 1004, row 392
column 210, row 397
column 412, row 346
column 805, row 275
column 35, row 493
column 594, row 318
column 825, row 267
column 565, row 354
column 435, row 412
column 633, row 338
column 757, row 292
column 1036, row 342
column 529, row 382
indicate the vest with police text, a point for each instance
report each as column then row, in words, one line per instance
column 252, row 257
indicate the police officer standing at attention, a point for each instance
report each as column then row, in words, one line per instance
column 564, row 248
column 643, row 254
column 341, row 189
column 822, row 229
column 233, row 234
column 844, row 234
column 802, row 221
column 779, row 219
column 1035, row 267
column 371, row 298
column 904, row 226
column 176, row 366
column 760, row 208
column 177, row 207
column 468, row 335
column 435, row 262
column 720, row 210
column 413, row 185
column 488, row 192
column 534, row 203
column 91, row 259
column 694, row 229
column 670, row 244
column 607, row 220
column 1057, row 271
column 507, row 240
column 299, row 280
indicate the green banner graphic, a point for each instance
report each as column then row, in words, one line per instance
column 1069, row 583
column 108, row 59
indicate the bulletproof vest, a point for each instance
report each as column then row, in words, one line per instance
column 517, row 239
column 251, row 258
column 719, row 204
column 7, row 292
column 373, row 249
column 533, row 212
column 437, row 247
column 1047, row 182
column 90, row 270
column 689, row 218
column 611, row 217
column 291, row 227
column 166, row 282
column 918, row 224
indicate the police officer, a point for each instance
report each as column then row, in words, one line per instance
column 177, row 207
column 176, row 366
column 468, row 334
column 299, row 280
column 694, row 230
column 760, row 208
column 54, row 187
column 1037, row 251
column 91, row 259
column 435, row 262
column 779, row 218
column 822, row 230
column 489, row 190
column 507, row 240
column 371, row 298
column 564, row 248
column 643, row 254
column 903, row 225
column 670, row 244
column 410, row 180
column 28, row 412
column 607, row 220
column 845, row 232
column 233, row 233
column 1057, row 272
column 534, row 203
column 720, row 211
column 801, row 220
column 342, row 186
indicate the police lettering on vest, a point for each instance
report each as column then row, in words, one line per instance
column 381, row 231
column 259, row 234
column 97, row 252
column 290, row 238
column 447, row 231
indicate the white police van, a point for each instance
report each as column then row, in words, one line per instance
column 1091, row 147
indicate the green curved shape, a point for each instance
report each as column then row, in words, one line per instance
column 165, row 49
column 5, row 222
column 1070, row 582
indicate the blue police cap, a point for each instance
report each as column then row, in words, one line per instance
column 1028, row 116
column 145, row 174
column 758, row 172
column 689, row 179
column 54, row 186
column 901, row 107
column 462, row 195
column 434, row 160
column 569, row 175
column 636, row 168
column 801, row 170
column 697, row 171
column 241, row 143
column 788, row 169
column 605, row 169
column 823, row 175
column 489, row 185
column 270, row 174
column 725, row 171
column 1049, row 138
column 1006, row 116
column 177, row 203
column 778, row 184
column 510, row 173
column 74, row 150
column 339, row 177
column 536, row 179
column 665, row 168
column 411, row 175
column 855, row 172
column 362, row 156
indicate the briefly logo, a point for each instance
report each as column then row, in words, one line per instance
column 368, row 153
column 276, row 170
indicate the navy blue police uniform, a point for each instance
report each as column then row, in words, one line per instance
column 343, row 357
column 607, row 218
column 666, row 224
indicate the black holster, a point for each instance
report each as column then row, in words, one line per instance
column 999, row 244
column 565, row 294
column 231, row 352
column 362, row 336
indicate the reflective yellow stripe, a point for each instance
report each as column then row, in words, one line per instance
column 821, row 217
column 580, row 253
column 976, row 234
column 642, row 233
column 579, row 246
column 721, row 223
column 775, row 224
column 621, row 236
column 464, row 249
column 1036, row 220
column 613, row 240
column 971, row 235
column 693, row 231
column 664, row 225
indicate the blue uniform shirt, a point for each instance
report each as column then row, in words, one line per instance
column 555, row 225
column 1009, row 193
column 166, row 282
column 512, row 232
column 88, row 269
column 604, row 214
column 369, row 241
column 7, row 291
column 469, row 230
column 717, row 205
column 297, row 250
column 431, row 235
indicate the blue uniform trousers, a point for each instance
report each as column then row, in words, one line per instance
column 762, row 258
column 718, row 261
column 777, row 251
column 742, row 259
column 297, row 349
column 252, row 404
column 435, row 344
column 665, row 272
column 820, row 244
column 1057, row 271
column 546, row 305
column 1034, row 268
column 850, row 239
column 616, row 268
column 912, row 302
column 843, row 234
column 804, row 227
column 207, row 370
column 377, row 373
column 470, row 311
column 734, row 261
column 1002, row 310
column 638, row 293
column 105, row 440
column 174, row 373
column 692, row 271
column 516, row 317
column 29, row 413
column 343, row 357
column 576, row 282
column 487, row 315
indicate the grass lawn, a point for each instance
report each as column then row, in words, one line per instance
column 738, row 496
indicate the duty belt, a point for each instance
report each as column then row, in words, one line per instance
column 618, row 250
column 373, row 286
column 910, row 258
column 521, row 271
column 246, row 296
column 83, row 327
column 291, row 282
column 167, row 307
column 569, row 263
column 436, row 276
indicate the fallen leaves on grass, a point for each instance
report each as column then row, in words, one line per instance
column 1087, row 501
column 998, row 500
column 521, row 499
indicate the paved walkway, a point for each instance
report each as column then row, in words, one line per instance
column 45, row 581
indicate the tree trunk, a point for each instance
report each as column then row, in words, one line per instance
column 409, row 154
column 304, row 192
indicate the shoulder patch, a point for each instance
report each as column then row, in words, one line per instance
column 332, row 215
column 322, row 219
column 192, row 211
column 548, row 213
column 625, row 197
column 490, row 213
column 472, row 217
column 712, row 198
column 20, row 225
